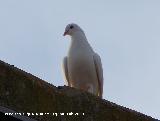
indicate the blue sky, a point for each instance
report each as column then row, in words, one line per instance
column 126, row 34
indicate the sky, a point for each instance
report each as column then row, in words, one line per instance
column 126, row 34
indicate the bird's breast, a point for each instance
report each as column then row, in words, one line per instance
column 79, row 59
column 81, row 68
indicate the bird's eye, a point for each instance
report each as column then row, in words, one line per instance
column 71, row 27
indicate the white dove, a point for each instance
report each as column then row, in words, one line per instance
column 82, row 66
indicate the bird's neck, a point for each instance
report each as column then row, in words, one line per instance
column 80, row 44
column 79, row 39
column 78, row 36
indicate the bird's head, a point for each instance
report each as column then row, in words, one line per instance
column 71, row 29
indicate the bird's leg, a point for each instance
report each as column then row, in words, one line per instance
column 90, row 88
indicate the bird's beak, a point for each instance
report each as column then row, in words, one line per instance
column 65, row 33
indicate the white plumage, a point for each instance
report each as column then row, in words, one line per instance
column 82, row 66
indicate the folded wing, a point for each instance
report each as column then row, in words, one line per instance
column 99, row 71
column 65, row 70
